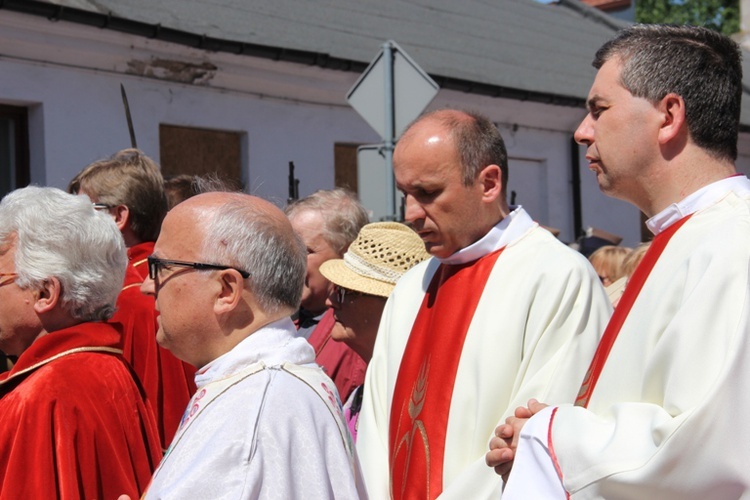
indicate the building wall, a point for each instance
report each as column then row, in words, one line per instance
column 69, row 77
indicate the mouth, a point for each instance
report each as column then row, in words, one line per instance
column 594, row 164
column 425, row 235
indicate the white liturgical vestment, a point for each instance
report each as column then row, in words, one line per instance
column 265, row 423
column 668, row 416
column 543, row 303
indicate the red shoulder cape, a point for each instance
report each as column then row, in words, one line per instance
column 74, row 423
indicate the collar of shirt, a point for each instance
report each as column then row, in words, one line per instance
column 704, row 197
column 505, row 232
column 274, row 344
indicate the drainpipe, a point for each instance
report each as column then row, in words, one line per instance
column 575, row 179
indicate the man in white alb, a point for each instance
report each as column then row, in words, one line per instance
column 662, row 412
column 467, row 335
column 265, row 422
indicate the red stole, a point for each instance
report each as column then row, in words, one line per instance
column 427, row 374
column 629, row 296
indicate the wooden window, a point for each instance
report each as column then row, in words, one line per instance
column 197, row 151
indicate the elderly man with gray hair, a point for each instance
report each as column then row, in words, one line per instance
column 227, row 273
column 74, row 422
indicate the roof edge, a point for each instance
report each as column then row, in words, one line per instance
column 55, row 12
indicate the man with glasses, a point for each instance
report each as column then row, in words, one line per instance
column 73, row 422
column 227, row 273
column 129, row 187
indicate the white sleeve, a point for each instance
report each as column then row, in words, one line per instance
column 534, row 474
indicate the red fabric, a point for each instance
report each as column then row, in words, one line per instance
column 345, row 367
column 427, row 375
column 169, row 383
column 138, row 255
column 629, row 296
column 75, row 426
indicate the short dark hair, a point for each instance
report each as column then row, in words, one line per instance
column 478, row 141
column 698, row 64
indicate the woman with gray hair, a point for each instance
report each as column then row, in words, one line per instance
column 72, row 413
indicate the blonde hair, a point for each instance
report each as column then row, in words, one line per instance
column 608, row 261
column 128, row 178
column 634, row 258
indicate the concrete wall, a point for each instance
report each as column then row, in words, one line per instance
column 69, row 77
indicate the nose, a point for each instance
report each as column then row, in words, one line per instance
column 412, row 210
column 584, row 132
column 331, row 299
column 148, row 287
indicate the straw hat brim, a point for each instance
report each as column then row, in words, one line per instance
column 337, row 272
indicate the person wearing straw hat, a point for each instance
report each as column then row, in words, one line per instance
column 477, row 329
column 363, row 280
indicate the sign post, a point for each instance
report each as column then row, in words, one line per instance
column 389, row 94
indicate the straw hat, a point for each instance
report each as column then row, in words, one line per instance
column 381, row 254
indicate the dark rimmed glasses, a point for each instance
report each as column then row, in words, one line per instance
column 156, row 264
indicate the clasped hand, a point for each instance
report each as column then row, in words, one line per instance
column 505, row 441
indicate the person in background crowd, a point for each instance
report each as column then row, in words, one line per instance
column 74, row 422
column 608, row 263
column 362, row 281
column 327, row 222
column 179, row 188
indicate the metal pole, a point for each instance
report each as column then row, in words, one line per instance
column 390, row 120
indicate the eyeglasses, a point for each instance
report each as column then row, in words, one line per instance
column 342, row 292
column 101, row 206
column 156, row 264
column 4, row 281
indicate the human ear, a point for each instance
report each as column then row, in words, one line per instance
column 121, row 214
column 230, row 293
column 48, row 295
column 490, row 179
column 673, row 121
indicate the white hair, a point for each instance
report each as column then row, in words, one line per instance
column 60, row 235
column 243, row 236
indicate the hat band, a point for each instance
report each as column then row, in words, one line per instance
column 364, row 268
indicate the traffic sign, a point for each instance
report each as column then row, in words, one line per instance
column 412, row 89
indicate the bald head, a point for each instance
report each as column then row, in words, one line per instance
column 251, row 234
column 475, row 138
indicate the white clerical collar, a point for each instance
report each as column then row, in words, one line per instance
column 508, row 230
column 273, row 344
column 704, row 197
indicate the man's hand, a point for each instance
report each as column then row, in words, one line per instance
column 505, row 442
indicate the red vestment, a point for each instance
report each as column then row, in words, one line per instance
column 169, row 383
column 427, row 374
column 138, row 257
column 345, row 367
column 74, row 423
